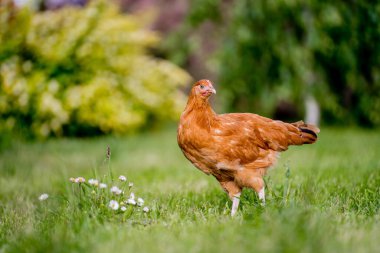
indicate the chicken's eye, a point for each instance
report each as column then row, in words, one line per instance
column 202, row 87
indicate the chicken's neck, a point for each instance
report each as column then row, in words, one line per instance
column 200, row 111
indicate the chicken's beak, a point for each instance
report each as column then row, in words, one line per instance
column 212, row 90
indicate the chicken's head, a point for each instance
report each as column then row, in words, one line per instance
column 203, row 89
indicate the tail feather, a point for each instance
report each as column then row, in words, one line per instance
column 308, row 133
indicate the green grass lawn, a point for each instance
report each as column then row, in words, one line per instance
column 329, row 202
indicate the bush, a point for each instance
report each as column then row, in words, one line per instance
column 83, row 71
column 285, row 50
column 281, row 52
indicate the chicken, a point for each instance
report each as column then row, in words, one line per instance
column 236, row 148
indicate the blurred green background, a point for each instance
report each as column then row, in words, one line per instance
column 85, row 68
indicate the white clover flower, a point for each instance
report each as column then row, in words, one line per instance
column 131, row 202
column 93, row 182
column 114, row 205
column 146, row 209
column 80, row 180
column 140, row 202
column 102, row 186
column 72, row 180
column 43, row 197
column 132, row 196
column 123, row 208
column 115, row 190
column 122, row 178
column 130, row 185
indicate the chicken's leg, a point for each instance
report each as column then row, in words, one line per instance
column 235, row 203
column 262, row 196
column 234, row 192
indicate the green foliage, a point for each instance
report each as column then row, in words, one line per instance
column 329, row 202
column 114, row 200
column 274, row 51
column 284, row 50
column 201, row 10
column 83, row 71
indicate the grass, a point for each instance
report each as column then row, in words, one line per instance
column 320, row 198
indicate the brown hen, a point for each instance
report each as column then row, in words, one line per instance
column 236, row 148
